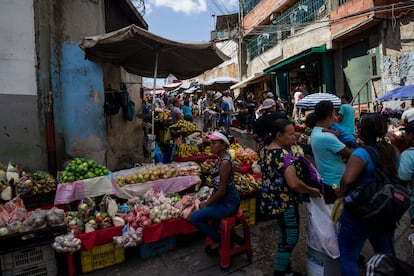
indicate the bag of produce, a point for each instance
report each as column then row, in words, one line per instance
column 56, row 217
column 36, row 220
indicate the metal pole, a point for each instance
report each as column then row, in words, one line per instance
column 152, row 111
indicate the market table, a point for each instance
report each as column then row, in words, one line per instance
column 151, row 233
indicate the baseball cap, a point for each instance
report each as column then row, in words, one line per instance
column 268, row 103
column 216, row 135
column 270, row 95
column 217, row 96
column 409, row 128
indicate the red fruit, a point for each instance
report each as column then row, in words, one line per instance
column 99, row 219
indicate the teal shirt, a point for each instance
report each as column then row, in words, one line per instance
column 406, row 166
column 187, row 110
column 348, row 118
column 325, row 148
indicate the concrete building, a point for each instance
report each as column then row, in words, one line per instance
column 360, row 48
column 51, row 98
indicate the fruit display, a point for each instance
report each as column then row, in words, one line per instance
column 246, row 183
column 184, row 126
column 42, row 182
column 185, row 151
column 246, row 155
column 207, row 150
column 164, row 116
column 208, row 165
column 81, row 168
column 151, row 172
column 233, row 148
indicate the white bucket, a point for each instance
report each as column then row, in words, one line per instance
column 320, row 264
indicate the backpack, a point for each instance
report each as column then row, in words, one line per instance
column 112, row 103
column 307, row 171
column 380, row 204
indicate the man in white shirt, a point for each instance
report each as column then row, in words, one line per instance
column 408, row 115
column 228, row 99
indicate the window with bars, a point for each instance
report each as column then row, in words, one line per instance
column 283, row 26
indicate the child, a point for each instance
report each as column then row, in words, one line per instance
column 347, row 138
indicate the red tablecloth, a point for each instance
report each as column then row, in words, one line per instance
column 99, row 237
column 168, row 228
column 152, row 233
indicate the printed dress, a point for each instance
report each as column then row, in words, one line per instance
column 276, row 196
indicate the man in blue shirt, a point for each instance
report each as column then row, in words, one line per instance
column 346, row 115
column 328, row 151
column 223, row 108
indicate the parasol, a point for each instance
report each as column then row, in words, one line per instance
column 310, row 101
column 148, row 55
column 145, row 54
column 219, row 84
column 398, row 94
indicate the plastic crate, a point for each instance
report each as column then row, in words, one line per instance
column 33, row 238
column 248, row 206
column 101, row 256
column 35, row 261
column 154, row 248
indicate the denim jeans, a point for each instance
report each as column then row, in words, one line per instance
column 207, row 219
column 352, row 237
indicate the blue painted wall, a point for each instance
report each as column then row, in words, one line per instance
column 78, row 101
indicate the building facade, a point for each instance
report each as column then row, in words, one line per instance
column 360, row 48
column 51, row 98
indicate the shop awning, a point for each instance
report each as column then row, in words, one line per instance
column 320, row 49
column 250, row 80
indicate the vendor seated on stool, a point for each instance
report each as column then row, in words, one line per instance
column 225, row 200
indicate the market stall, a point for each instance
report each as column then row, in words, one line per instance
column 97, row 213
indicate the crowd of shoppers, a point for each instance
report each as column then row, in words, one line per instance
column 339, row 153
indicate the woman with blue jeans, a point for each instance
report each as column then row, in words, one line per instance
column 360, row 168
column 225, row 200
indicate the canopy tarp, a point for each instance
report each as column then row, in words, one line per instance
column 219, row 83
column 399, row 94
column 145, row 54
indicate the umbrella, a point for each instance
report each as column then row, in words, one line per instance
column 171, row 86
column 398, row 94
column 219, row 84
column 310, row 101
column 145, row 54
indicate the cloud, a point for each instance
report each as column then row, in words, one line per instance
column 185, row 6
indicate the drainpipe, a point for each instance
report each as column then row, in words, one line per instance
column 45, row 94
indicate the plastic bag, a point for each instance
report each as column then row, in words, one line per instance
column 322, row 234
column 158, row 154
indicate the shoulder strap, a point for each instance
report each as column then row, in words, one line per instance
column 287, row 159
column 374, row 156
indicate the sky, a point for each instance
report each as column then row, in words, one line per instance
column 184, row 20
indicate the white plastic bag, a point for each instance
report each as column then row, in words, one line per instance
column 322, row 235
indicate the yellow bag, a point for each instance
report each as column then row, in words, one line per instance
column 337, row 209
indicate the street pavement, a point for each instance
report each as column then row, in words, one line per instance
column 189, row 257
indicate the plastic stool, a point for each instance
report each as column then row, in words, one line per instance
column 229, row 238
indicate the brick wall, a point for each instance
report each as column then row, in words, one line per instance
column 349, row 8
column 261, row 13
